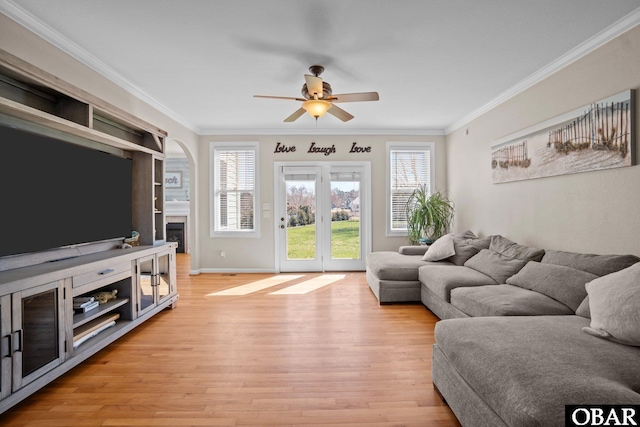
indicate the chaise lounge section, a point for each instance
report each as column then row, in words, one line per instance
column 522, row 371
column 526, row 331
column 393, row 276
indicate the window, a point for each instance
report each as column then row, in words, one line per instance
column 234, row 174
column 409, row 165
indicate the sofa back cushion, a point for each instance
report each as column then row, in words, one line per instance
column 467, row 245
column 495, row 265
column 600, row 265
column 583, row 309
column 564, row 284
column 413, row 250
column 506, row 247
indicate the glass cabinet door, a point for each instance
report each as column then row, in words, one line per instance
column 164, row 277
column 146, row 284
column 155, row 277
column 37, row 337
column 5, row 346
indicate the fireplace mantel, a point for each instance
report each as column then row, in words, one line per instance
column 177, row 208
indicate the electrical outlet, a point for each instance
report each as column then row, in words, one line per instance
column 223, row 254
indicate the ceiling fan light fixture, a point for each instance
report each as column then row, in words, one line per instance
column 316, row 107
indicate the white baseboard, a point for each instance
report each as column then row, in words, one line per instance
column 227, row 270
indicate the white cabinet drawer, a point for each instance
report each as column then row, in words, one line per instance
column 110, row 272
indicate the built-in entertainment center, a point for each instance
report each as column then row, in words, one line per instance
column 78, row 176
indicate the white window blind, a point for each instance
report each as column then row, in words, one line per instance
column 235, row 189
column 408, row 169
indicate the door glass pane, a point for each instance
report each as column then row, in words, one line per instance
column 39, row 331
column 163, row 276
column 345, row 216
column 146, row 284
column 301, row 216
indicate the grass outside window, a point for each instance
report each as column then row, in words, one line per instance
column 345, row 241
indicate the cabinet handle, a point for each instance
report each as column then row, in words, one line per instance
column 107, row 271
column 9, row 345
column 20, row 340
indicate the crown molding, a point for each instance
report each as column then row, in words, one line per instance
column 30, row 22
column 614, row 30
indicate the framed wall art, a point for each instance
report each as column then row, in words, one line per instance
column 594, row 137
column 173, row 179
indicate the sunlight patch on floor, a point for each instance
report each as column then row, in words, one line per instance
column 257, row 286
column 310, row 285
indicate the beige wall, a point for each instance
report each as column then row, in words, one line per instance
column 595, row 212
column 258, row 253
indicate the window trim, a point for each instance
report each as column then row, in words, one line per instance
column 214, row 148
column 392, row 146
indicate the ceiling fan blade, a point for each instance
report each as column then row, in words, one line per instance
column 314, row 85
column 292, row 118
column 339, row 113
column 355, row 97
column 279, row 97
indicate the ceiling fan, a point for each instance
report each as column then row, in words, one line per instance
column 318, row 98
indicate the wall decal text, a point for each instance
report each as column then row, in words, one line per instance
column 325, row 150
column 356, row 149
column 281, row 148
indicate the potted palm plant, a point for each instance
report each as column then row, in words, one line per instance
column 429, row 216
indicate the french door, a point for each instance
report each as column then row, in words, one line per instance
column 322, row 216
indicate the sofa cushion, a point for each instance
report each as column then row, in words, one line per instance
column 497, row 266
column 441, row 279
column 505, row 300
column 614, row 302
column 388, row 265
column 583, row 310
column 506, row 247
column 600, row 265
column 467, row 245
column 440, row 249
column 527, row 368
column 413, row 250
column 563, row 284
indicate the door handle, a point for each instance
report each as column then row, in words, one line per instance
column 282, row 226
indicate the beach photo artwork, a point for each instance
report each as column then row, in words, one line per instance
column 597, row 136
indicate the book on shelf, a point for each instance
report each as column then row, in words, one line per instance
column 80, row 302
column 89, row 306
column 93, row 328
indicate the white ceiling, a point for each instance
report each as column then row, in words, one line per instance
column 435, row 63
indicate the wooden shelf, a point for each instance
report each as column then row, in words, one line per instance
column 80, row 319
column 43, row 91
column 34, row 116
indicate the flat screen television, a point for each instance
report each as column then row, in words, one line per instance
column 58, row 194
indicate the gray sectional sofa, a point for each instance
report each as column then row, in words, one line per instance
column 525, row 331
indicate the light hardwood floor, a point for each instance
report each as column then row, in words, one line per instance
column 329, row 357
